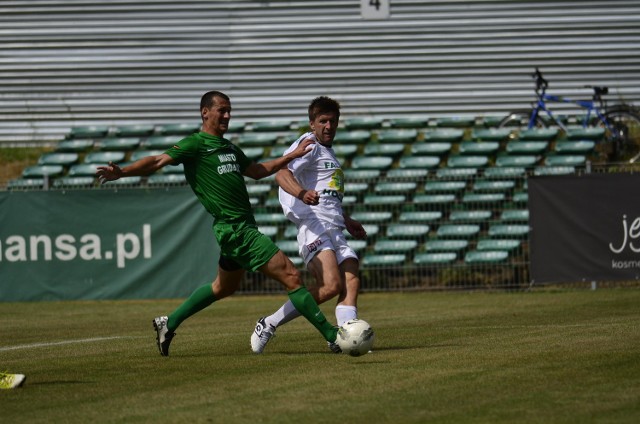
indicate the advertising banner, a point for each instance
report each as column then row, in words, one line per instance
column 104, row 244
column 585, row 228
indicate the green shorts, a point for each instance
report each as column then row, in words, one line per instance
column 245, row 245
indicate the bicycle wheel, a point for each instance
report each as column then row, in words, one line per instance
column 622, row 135
column 520, row 118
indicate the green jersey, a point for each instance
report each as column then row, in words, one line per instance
column 213, row 167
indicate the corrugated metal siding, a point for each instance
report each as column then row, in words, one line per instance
column 68, row 63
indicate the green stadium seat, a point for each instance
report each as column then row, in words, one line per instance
column 43, row 171
column 565, row 160
column 361, row 174
column 494, row 185
column 58, row 158
column 406, row 174
column 26, row 184
column 436, row 148
column 252, row 139
column 589, row 133
column 483, row 198
column 514, row 215
column 269, row 230
column 435, row 258
column 289, row 247
column 518, row 161
column 277, row 151
column 345, row 150
column 491, row 134
column 89, row 131
column 388, row 200
column 478, row 147
column 258, row 189
column 453, row 173
column 104, row 157
column 254, row 153
column 74, row 182
column 371, row 229
column 375, row 260
column 504, row 172
column 544, row 134
column 419, row 162
column 362, row 123
column 141, row 130
column 444, row 186
column 271, row 125
column 176, row 169
column 74, row 145
column 356, row 188
column 270, row 218
column 409, row 122
column 397, row 136
column 498, row 244
column 447, row 135
column 446, row 245
column 434, row 199
column 485, row 256
column 462, row 161
column 508, row 230
column 139, row 154
column 372, row 162
column 458, row 231
column 574, row 147
column 456, row 121
column 181, row 129
column 492, row 121
column 420, row 216
column 83, row 170
column 125, row 181
column 369, row 217
column 119, row 144
column 358, row 246
column 161, row 142
column 384, row 149
column 520, row 197
column 407, row 187
column 356, row 137
column 395, row 246
column 236, row 126
column 166, row 179
column 554, row 170
column 470, row 215
column 414, row 231
column 522, row 147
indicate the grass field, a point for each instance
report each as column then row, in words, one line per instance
column 538, row 357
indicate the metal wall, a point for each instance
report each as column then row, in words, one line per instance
column 80, row 62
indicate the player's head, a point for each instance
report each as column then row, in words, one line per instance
column 324, row 116
column 215, row 110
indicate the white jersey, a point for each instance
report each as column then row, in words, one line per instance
column 321, row 171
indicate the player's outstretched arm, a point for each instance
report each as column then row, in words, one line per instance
column 145, row 166
column 264, row 169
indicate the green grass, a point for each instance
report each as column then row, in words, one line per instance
column 539, row 357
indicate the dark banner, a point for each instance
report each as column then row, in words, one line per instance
column 585, row 228
column 104, row 244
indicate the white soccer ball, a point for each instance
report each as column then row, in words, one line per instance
column 355, row 337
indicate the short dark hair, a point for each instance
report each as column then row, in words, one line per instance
column 323, row 104
column 207, row 98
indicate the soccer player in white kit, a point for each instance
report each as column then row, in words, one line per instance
column 311, row 192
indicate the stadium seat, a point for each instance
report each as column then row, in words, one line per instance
column 271, row 125
column 483, row 198
column 125, row 181
column 74, row 145
column 166, row 179
column 258, row 189
column 520, row 197
column 435, row 258
column 372, row 162
column 409, row 122
column 356, row 137
column 356, row 188
column 437, row 148
column 448, row 135
column 492, row 121
column 434, row 199
column 375, row 260
column 458, row 231
column 406, row 188
column 414, row 231
column 139, row 154
column 270, row 218
column 89, row 131
column 42, row 171
column 141, row 130
column 453, row 173
column 345, row 150
column 160, row 142
column 514, row 215
column 26, row 184
column 504, row 172
column 289, row 247
column 494, row 185
column 508, row 230
column 104, row 157
column 358, row 245
column 236, row 126
column 254, row 153
column 498, row 244
column 175, row 169
column 456, row 121
column 462, row 161
column 589, row 133
column 446, row 245
column 181, row 129
column 83, row 170
column 362, row 123
column 413, row 174
column 518, row 147
column 252, row 139
column 74, row 182
column 361, row 174
column 383, row 149
column 58, row 158
column 565, row 160
column 523, row 161
column 444, row 186
column 544, row 134
column 554, row 170
column 395, row 246
column 269, row 230
column 478, row 147
column 574, row 147
column 397, row 136
column 485, row 256
column 419, row 162
column 371, row 229
column 419, row 216
column 470, row 215
column 368, row 217
column 490, row 134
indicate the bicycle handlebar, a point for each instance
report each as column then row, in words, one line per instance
column 540, row 81
column 543, row 84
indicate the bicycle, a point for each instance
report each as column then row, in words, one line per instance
column 621, row 122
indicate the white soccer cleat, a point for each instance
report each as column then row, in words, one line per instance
column 11, row 381
column 163, row 335
column 261, row 335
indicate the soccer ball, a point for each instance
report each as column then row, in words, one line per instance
column 355, row 337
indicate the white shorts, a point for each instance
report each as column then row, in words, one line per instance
column 314, row 237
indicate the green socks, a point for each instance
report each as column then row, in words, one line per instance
column 307, row 306
column 199, row 299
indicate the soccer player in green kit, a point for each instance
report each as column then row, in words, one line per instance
column 214, row 168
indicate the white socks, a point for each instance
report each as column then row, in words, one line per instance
column 345, row 313
column 288, row 312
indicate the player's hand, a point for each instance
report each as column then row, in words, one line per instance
column 355, row 228
column 303, row 147
column 310, row 197
column 110, row 172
